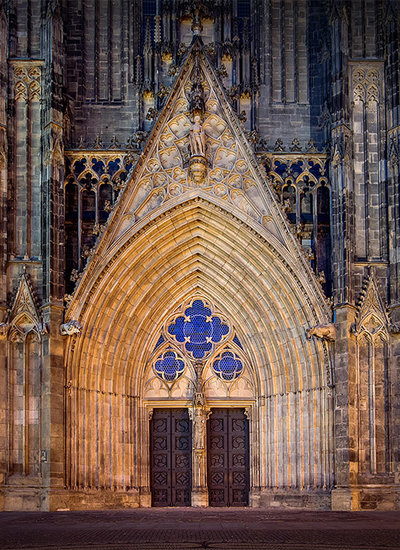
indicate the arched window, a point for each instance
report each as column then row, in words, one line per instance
column 105, row 197
column 88, row 218
column 306, row 206
column 198, row 333
column 71, row 230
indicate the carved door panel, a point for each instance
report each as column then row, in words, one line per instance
column 171, row 457
column 228, row 458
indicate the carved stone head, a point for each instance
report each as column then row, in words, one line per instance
column 198, row 170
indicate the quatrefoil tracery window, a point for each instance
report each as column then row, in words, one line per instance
column 198, row 332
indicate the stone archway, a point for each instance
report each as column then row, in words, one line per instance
column 197, row 247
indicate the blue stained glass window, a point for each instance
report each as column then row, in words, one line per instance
column 228, row 366
column 113, row 166
column 169, row 366
column 280, row 168
column 159, row 342
column 98, row 166
column 79, row 166
column 237, row 341
column 198, row 329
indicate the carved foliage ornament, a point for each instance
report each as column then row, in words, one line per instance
column 366, row 84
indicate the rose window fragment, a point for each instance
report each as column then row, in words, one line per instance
column 198, row 329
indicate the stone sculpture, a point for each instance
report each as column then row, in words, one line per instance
column 70, row 328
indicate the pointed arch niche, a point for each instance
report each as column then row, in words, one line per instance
column 123, row 302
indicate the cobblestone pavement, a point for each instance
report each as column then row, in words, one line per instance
column 196, row 529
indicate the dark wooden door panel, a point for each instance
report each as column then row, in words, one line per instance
column 181, row 458
column 171, row 457
column 228, row 458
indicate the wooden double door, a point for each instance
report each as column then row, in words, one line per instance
column 227, row 457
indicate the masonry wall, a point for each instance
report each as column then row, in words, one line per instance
column 304, row 76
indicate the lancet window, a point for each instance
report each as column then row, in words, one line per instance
column 303, row 190
column 92, row 185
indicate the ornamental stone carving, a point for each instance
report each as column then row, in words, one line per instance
column 3, row 148
column 70, row 328
column 27, row 81
column 326, row 332
column 194, row 146
column 365, row 82
column 3, row 330
column 54, row 147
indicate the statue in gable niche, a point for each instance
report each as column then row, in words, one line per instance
column 197, row 140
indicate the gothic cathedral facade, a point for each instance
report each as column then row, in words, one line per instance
column 200, row 254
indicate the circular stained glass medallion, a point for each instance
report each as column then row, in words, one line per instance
column 169, row 366
column 228, row 366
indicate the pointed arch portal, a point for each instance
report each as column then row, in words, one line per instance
column 197, row 229
column 197, row 249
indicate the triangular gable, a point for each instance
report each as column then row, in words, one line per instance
column 372, row 315
column 163, row 173
column 24, row 312
column 168, row 169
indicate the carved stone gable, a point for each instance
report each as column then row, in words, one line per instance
column 198, row 146
column 24, row 312
column 197, row 150
column 372, row 317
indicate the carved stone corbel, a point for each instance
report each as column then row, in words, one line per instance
column 70, row 328
column 326, row 332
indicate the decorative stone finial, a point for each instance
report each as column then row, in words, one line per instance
column 197, row 104
column 197, row 27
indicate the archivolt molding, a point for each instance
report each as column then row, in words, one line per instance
column 161, row 247
column 101, row 265
column 129, row 303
